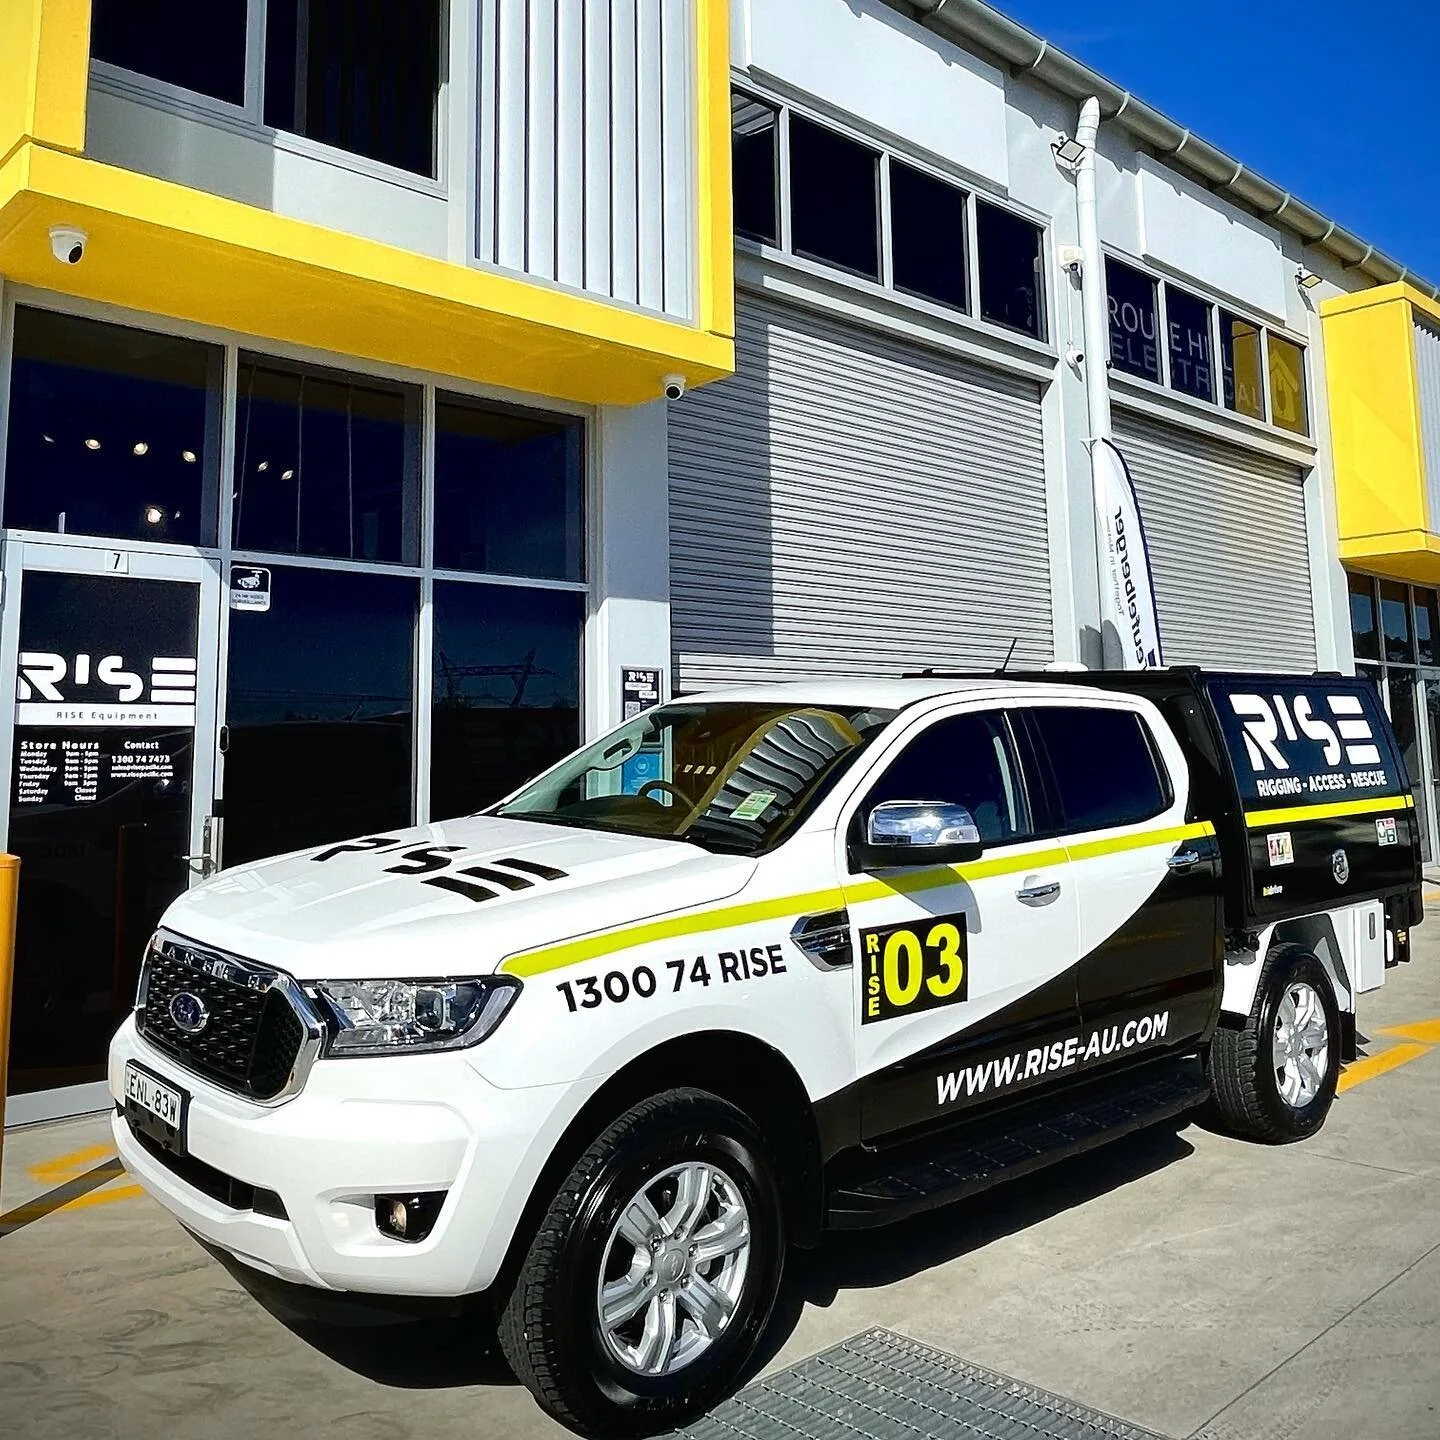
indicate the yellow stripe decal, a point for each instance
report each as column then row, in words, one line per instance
column 1257, row 818
column 785, row 907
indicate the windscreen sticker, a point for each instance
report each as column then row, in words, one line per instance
column 1282, row 851
column 754, row 805
column 914, row 967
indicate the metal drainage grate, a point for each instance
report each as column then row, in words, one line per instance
column 883, row 1386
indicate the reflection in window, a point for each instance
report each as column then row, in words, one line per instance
column 1287, row 385
column 754, row 149
column 1187, row 322
column 197, row 47
column 113, row 431
column 1362, row 618
column 1103, row 764
column 363, row 78
column 1395, row 623
column 1240, row 366
column 1427, row 628
column 506, row 690
column 325, row 464
column 834, row 199
column 1011, row 292
column 927, row 236
column 507, row 491
column 1134, row 328
column 319, row 711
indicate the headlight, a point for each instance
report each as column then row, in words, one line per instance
column 392, row 1017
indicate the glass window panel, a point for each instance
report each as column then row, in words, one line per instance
column 1103, row 764
column 1187, row 321
column 1395, row 622
column 1427, row 627
column 834, row 199
column 1288, row 408
column 325, row 464
column 1134, row 326
column 927, row 236
column 320, row 711
column 507, row 690
column 363, row 78
column 1363, row 630
column 1240, row 366
column 198, row 47
column 1011, row 290
column 113, row 431
column 508, row 489
column 755, row 154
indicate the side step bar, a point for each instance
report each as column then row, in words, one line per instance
column 936, row 1169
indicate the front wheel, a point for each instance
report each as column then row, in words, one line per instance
column 1273, row 1078
column 650, row 1281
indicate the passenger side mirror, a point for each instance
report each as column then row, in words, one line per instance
column 915, row 833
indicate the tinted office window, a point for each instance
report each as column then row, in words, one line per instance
column 1240, row 366
column 1427, row 627
column 198, row 47
column 507, row 491
column 834, row 199
column 320, row 711
column 1395, row 622
column 1011, row 292
column 1134, row 325
column 507, row 690
column 1187, row 321
column 1287, row 385
column 927, row 236
column 1362, row 618
column 1103, row 766
column 755, row 157
column 325, row 464
column 113, row 431
column 363, row 78
column 966, row 760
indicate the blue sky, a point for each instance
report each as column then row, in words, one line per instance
column 1338, row 103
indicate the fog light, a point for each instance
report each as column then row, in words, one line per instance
column 408, row 1217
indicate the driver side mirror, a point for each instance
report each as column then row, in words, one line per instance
column 915, row 833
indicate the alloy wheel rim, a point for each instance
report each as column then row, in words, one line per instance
column 674, row 1269
column 1300, row 1045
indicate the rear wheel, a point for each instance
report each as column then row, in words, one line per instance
column 650, row 1281
column 1273, row 1078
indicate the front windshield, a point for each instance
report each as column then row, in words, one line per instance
column 728, row 776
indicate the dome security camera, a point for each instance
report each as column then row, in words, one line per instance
column 67, row 244
column 674, row 386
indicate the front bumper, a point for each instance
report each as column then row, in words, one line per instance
column 360, row 1128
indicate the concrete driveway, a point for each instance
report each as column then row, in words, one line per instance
column 1192, row 1284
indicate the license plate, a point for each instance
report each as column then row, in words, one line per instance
column 155, row 1108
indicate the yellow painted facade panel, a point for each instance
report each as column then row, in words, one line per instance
column 44, row 70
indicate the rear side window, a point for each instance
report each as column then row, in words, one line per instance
column 1103, row 765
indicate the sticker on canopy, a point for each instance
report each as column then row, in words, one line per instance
column 1282, row 850
column 754, row 805
column 1385, row 832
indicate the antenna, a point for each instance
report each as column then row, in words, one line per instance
column 1008, row 654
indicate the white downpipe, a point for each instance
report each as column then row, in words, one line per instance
column 1096, row 328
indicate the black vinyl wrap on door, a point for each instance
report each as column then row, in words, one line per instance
column 99, row 802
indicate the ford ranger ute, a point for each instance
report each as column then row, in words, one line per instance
column 753, row 965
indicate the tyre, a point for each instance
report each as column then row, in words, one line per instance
column 653, row 1274
column 1273, row 1078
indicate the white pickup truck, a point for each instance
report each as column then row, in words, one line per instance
column 753, row 965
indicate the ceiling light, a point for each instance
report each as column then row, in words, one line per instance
column 262, row 467
column 48, row 439
column 92, row 444
column 141, row 448
column 1068, row 151
column 287, row 474
column 188, row 456
column 1307, row 279
column 153, row 515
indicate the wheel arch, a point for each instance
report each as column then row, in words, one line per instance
column 1315, row 933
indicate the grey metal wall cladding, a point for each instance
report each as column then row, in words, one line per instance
column 1226, row 530
column 848, row 504
column 1427, row 365
column 586, row 144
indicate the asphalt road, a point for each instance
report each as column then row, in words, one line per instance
column 1190, row 1283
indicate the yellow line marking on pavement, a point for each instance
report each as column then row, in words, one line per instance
column 1359, row 1071
column 1427, row 1032
column 68, row 1167
column 101, row 1197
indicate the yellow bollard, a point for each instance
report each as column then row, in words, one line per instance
column 9, row 897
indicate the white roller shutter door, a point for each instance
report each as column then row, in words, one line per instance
column 1226, row 530
column 851, row 504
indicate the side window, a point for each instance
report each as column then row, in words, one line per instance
column 966, row 760
column 1103, row 764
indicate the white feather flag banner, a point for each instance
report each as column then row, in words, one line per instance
column 1129, row 591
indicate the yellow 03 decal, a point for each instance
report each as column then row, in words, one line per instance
column 914, row 967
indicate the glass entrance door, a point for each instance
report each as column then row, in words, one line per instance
column 107, row 791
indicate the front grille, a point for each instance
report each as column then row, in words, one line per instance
column 252, row 1036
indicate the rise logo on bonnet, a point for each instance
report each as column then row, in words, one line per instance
column 432, row 862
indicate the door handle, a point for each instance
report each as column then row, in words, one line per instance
column 1038, row 894
column 1183, row 859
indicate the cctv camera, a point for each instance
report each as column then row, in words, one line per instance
column 67, row 244
column 674, row 386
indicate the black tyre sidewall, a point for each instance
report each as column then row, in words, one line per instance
column 713, row 1133
column 1295, row 1123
